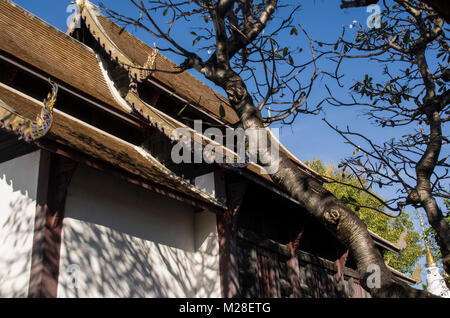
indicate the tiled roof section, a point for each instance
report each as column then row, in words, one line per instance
column 87, row 139
column 183, row 84
column 33, row 41
column 403, row 277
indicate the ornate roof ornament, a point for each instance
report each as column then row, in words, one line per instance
column 28, row 129
column 136, row 72
column 435, row 283
column 149, row 66
column 81, row 4
column 429, row 256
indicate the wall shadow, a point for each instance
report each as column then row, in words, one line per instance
column 124, row 241
column 18, row 186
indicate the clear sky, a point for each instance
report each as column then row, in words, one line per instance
column 309, row 137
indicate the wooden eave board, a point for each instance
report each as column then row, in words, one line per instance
column 93, row 142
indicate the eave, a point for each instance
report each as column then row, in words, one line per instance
column 85, row 139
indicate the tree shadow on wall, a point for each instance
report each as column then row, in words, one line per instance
column 17, row 206
column 100, row 261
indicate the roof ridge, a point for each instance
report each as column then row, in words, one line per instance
column 401, row 274
column 90, row 4
column 378, row 236
column 95, row 13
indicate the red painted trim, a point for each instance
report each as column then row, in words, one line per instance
column 339, row 276
column 266, row 275
column 261, row 274
column 37, row 258
column 293, row 264
column 294, row 270
column 55, row 174
column 227, row 236
column 229, row 275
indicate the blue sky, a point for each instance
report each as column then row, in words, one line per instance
column 309, row 137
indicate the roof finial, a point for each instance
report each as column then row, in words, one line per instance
column 429, row 256
column 80, row 4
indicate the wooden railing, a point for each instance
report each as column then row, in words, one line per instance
column 268, row 269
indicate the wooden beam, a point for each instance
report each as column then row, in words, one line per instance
column 294, row 271
column 55, row 174
column 339, row 276
column 227, row 233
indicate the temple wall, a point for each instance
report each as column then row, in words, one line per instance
column 18, row 187
column 123, row 241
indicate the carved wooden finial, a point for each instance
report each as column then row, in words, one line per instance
column 26, row 128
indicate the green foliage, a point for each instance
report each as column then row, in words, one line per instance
column 389, row 228
column 407, row 260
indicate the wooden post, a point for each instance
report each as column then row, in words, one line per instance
column 339, row 277
column 293, row 264
column 55, row 174
column 294, row 271
column 155, row 93
column 227, row 234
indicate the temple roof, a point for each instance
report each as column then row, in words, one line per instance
column 403, row 277
column 68, row 61
column 71, row 62
column 86, row 139
column 46, row 48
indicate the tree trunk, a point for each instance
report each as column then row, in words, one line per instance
column 422, row 193
column 340, row 220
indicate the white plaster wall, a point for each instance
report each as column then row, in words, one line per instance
column 18, row 186
column 122, row 241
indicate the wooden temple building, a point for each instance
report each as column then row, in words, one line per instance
column 91, row 204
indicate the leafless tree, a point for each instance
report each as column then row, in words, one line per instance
column 256, row 71
column 412, row 47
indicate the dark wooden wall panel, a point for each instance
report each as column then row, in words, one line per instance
column 265, row 270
